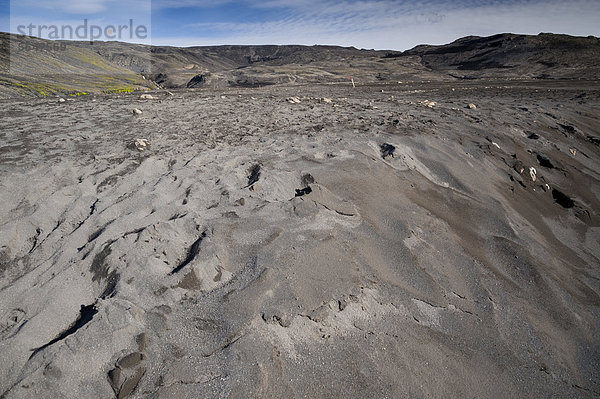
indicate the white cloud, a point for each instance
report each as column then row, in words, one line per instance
column 386, row 24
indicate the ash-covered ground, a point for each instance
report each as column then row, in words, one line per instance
column 388, row 240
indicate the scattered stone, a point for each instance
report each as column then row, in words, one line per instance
column 293, row 100
column 147, row 97
column 472, row 106
column 303, row 191
column 240, row 202
column 573, row 151
column 141, row 144
column 519, row 167
column 253, row 175
column 387, row 150
column 197, row 81
column 137, row 111
column 533, row 173
column 61, row 100
column 533, row 136
column 326, row 100
column 169, row 93
column 495, row 144
column 428, row 103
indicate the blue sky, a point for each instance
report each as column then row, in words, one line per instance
column 380, row 24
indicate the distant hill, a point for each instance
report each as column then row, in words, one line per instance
column 36, row 67
column 220, row 65
column 31, row 66
column 508, row 55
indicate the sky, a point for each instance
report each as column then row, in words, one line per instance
column 378, row 24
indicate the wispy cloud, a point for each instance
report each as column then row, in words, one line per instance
column 389, row 24
column 396, row 24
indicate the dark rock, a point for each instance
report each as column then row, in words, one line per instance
column 197, row 81
column 387, row 150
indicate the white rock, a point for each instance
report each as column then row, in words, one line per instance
column 61, row 100
column 326, row 100
column 293, row 100
column 532, row 173
column 472, row 106
column 147, row 97
column 141, row 144
column 136, row 111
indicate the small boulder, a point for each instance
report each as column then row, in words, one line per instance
column 387, row 150
column 197, row 81
column 147, row 97
column 61, row 100
column 326, row 100
column 519, row 167
column 140, row 145
column 293, row 100
column 472, row 106
column 136, row 111
column 533, row 173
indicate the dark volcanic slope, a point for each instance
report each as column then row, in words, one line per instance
column 114, row 66
column 542, row 56
column 175, row 67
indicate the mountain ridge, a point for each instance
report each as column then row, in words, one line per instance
column 84, row 67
